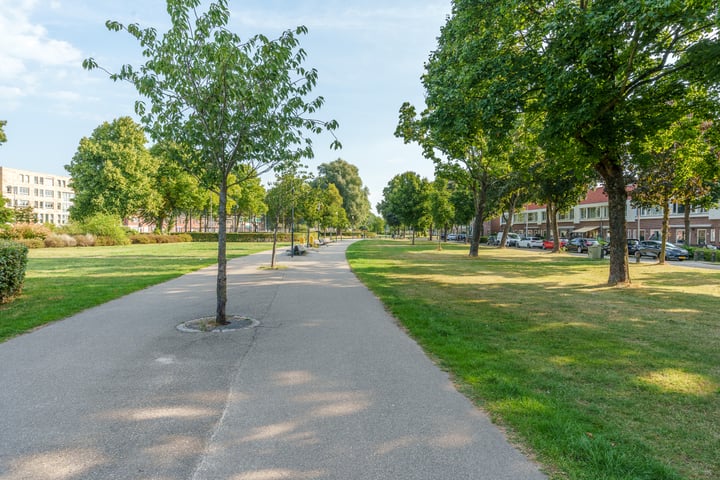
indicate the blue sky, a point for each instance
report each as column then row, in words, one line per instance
column 369, row 55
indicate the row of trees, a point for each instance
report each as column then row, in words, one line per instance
column 412, row 202
column 114, row 173
column 534, row 101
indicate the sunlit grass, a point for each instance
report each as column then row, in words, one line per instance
column 600, row 382
column 62, row 281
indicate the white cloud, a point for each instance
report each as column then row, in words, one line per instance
column 28, row 52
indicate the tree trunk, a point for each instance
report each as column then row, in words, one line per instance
column 663, row 236
column 686, row 219
column 553, row 229
column 612, row 173
column 274, row 247
column 220, row 317
column 477, row 224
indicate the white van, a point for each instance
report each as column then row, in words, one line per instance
column 511, row 241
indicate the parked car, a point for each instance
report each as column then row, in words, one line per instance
column 452, row 237
column 632, row 244
column 549, row 244
column 530, row 242
column 581, row 245
column 511, row 241
column 651, row 248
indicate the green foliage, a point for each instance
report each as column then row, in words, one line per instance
column 107, row 229
column 25, row 215
column 13, row 262
column 406, row 200
column 597, row 76
column 3, row 137
column 242, row 237
column 241, row 105
column 7, row 214
column 112, row 171
column 25, row 231
column 346, row 178
column 151, row 238
column 177, row 192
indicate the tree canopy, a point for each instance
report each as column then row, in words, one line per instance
column 597, row 76
column 112, row 171
column 346, row 178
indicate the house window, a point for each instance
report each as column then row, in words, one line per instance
column 702, row 236
column 679, row 235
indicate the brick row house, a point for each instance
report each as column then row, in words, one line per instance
column 589, row 218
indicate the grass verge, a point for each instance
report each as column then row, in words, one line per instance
column 598, row 382
column 63, row 281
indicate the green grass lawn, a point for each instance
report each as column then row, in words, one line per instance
column 62, row 281
column 596, row 382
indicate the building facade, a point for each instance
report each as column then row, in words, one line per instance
column 590, row 218
column 50, row 196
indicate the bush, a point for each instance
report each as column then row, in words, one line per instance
column 239, row 237
column 60, row 240
column 32, row 242
column 21, row 231
column 147, row 238
column 86, row 240
column 13, row 262
column 107, row 227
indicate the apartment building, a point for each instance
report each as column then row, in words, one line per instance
column 590, row 218
column 50, row 196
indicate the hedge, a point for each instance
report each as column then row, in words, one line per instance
column 13, row 261
column 242, row 237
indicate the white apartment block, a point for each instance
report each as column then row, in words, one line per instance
column 50, row 196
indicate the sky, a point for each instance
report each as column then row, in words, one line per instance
column 369, row 54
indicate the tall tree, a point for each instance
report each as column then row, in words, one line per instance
column 603, row 74
column 177, row 191
column 681, row 163
column 112, row 171
column 406, row 196
column 249, row 202
column 241, row 104
column 346, row 178
column 441, row 208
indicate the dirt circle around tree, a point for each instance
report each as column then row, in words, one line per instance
column 208, row 325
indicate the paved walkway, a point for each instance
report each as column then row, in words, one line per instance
column 327, row 387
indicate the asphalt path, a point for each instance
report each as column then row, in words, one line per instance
column 326, row 387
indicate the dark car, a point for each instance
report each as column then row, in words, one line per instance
column 632, row 244
column 651, row 248
column 581, row 245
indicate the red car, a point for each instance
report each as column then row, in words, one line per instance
column 549, row 244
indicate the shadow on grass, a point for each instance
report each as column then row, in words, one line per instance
column 602, row 382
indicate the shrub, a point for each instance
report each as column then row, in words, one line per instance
column 109, row 227
column 141, row 239
column 239, row 237
column 61, row 240
column 32, row 242
column 86, row 240
column 13, row 262
column 21, row 231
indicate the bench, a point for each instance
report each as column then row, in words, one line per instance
column 324, row 242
